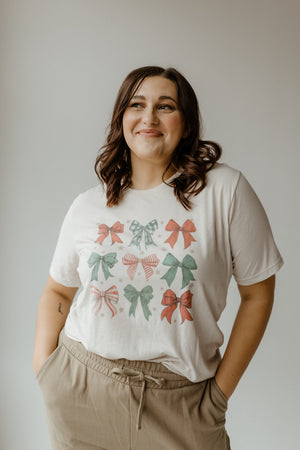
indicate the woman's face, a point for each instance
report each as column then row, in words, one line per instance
column 152, row 122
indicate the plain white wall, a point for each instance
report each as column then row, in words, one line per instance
column 62, row 63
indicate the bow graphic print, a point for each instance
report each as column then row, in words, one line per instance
column 187, row 228
column 108, row 260
column 132, row 295
column 138, row 231
column 103, row 231
column 170, row 300
column 147, row 263
column 188, row 264
column 110, row 296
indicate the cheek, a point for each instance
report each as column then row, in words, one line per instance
column 175, row 125
column 125, row 125
column 128, row 122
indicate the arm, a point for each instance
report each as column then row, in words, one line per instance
column 247, row 332
column 54, row 306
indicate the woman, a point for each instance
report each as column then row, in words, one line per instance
column 134, row 362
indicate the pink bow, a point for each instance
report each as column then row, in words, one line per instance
column 186, row 229
column 104, row 230
column 171, row 301
column 110, row 295
column 148, row 262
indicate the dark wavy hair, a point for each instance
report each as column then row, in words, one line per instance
column 192, row 158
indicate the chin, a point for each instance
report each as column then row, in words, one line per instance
column 151, row 156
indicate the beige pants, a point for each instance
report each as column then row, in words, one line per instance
column 95, row 403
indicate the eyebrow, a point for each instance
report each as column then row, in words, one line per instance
column 162, row 97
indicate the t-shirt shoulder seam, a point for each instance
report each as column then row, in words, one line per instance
column 234, row 193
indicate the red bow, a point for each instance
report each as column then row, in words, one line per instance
column 171, row 301
column 186, row 229
column 104, row 232
column 147, row 263
column 110, row 295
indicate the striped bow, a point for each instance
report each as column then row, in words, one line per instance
column 187, row 228
column 170, row 300
column 110, row 296
column 104, row 230
column 147, row 263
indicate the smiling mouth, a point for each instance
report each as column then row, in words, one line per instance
column 150, row 133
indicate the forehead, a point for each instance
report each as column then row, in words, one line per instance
column 157, row 86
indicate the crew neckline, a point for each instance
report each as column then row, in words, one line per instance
column 159, row 186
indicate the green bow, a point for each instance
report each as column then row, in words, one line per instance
column 188, row 264
column 138, row 230
column 108, row 260
column 145, row 295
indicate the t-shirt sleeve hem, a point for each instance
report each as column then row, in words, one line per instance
column 261, row 276
column 64, row 282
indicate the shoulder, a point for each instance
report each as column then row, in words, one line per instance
column 223, row 175
column 222, row 181
column 89, row 197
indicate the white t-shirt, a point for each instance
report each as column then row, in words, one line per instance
column 154, row 277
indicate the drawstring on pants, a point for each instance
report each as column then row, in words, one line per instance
column 139, row 376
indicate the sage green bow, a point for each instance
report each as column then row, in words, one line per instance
column 188, row 264
column 108, row 260
column 138, row 231
column 145, row 295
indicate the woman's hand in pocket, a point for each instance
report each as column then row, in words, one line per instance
column 39, row 360
column 221, row 387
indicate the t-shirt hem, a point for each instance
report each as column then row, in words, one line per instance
column 263, row 275
column 75, row 338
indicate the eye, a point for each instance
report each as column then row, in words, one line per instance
column 166, row 107
column 136, row 105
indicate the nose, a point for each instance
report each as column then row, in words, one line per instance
column 150, row 117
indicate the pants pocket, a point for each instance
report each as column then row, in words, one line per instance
column 213, row 406
column 220, row 394
column 46, row 364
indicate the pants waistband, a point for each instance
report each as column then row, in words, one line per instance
column 105, row 366
column 137, row 373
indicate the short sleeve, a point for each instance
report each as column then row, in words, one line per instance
column 63, row 268
column 255, row 256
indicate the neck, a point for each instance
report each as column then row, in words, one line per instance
column 148, row 176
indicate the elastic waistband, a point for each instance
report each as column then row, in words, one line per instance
column 108, row 367
column 136, row 373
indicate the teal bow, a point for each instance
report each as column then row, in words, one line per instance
column 138, row 231
column 108, row 260
column 188, row 264
column 145, row 295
